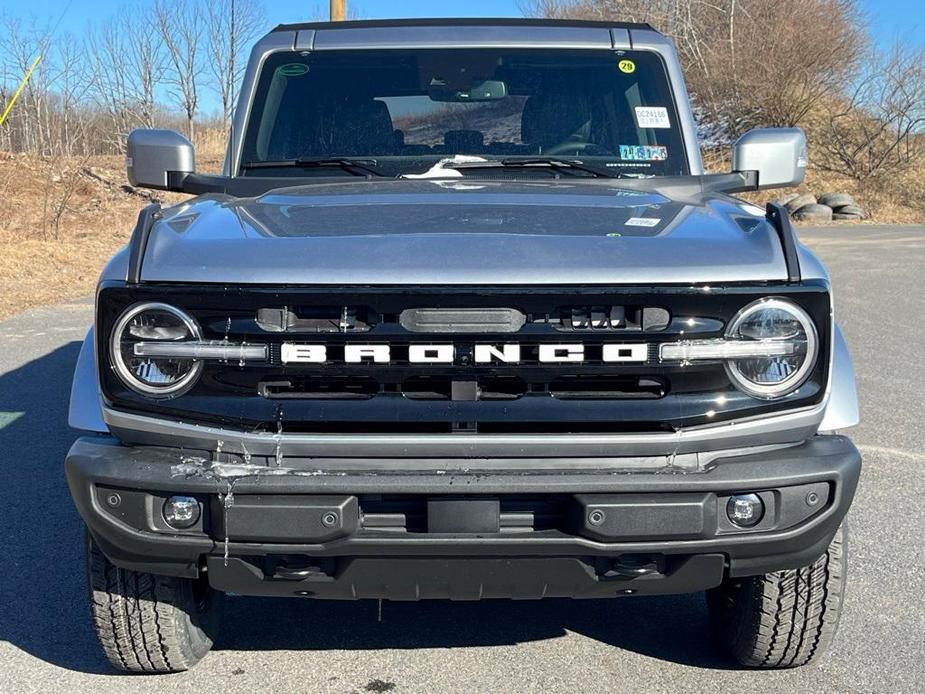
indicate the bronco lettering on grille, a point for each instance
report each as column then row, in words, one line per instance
column 510, row 353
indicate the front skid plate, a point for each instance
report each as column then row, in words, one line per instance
column 467, row 578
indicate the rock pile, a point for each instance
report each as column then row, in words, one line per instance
column 828, row 207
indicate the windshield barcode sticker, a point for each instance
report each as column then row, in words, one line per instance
column 642, row 221
column 652, row 117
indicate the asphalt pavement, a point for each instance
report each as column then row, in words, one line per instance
column 620, row 645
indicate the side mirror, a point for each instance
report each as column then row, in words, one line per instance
column 158, row 159
column 778, row 155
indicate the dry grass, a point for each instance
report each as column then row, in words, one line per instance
column 899, row 200
column 41, row 262
column 895, row 202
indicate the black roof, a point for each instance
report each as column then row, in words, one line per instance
column 462, row 21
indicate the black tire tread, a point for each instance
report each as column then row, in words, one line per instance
column 786, row 618
column 142, row 620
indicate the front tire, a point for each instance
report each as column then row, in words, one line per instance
column 148, row 623
column 782, row 619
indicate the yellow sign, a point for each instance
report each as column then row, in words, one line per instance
column 627, row 66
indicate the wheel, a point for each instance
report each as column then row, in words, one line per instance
column 855, row 210
column 785, row 618
column 846, row 217
column 814, row 213
column 150, row 623
column 785, row 199
column 835, row 200
column 799, row 201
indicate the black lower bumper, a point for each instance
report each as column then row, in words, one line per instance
column 412, row 535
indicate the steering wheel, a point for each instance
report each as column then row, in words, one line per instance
column 577, row 148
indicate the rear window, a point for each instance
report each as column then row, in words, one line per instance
column 406, row 109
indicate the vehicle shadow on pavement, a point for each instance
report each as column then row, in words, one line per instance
column 672, row 628
column 43, row 602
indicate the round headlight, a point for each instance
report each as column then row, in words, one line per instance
column 773, row 322
column 154, row 376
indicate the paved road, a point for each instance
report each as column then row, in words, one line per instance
column 554, row 646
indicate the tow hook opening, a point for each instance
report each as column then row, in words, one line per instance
column 629, row 566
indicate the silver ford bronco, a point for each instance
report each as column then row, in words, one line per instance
column 464, row 318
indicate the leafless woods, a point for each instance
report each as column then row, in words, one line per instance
column 147, row 65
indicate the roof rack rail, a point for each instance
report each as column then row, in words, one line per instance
column 462, row 21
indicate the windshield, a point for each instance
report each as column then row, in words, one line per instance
column 404, row 110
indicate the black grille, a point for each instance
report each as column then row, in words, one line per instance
column 464, row 396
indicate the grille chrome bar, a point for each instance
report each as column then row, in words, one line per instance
column 212, row 351
column 709, row 350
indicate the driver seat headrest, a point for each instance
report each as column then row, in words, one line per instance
column 556, row 117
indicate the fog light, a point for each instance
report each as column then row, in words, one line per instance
column 181, row 512
column 745, row 510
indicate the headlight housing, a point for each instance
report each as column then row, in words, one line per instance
column 773, row 323
column 154, row 376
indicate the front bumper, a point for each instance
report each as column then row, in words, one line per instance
column 454, row 534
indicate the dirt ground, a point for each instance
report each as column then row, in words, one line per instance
column 61, row 219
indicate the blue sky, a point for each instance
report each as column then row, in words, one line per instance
column 888, row 18
column 279, row 11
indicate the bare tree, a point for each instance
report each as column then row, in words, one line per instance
column 232, row 27
column 86, row 96
column 112, row 86
column 146, row 62
column 71, row 85
column 180, row 25
column 877, row 130
column 28, row 123
column 127, row 62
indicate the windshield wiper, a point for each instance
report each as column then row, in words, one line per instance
column 353, row 166
column 570, row 165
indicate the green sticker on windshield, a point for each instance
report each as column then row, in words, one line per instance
column 292, row 69
column 627, row 66
column 643, row 152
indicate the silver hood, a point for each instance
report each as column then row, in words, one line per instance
column 401, row 232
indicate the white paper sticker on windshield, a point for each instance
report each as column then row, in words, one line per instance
column 652, row 117
column 643, row 221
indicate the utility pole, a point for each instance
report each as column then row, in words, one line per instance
column 338, row 10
